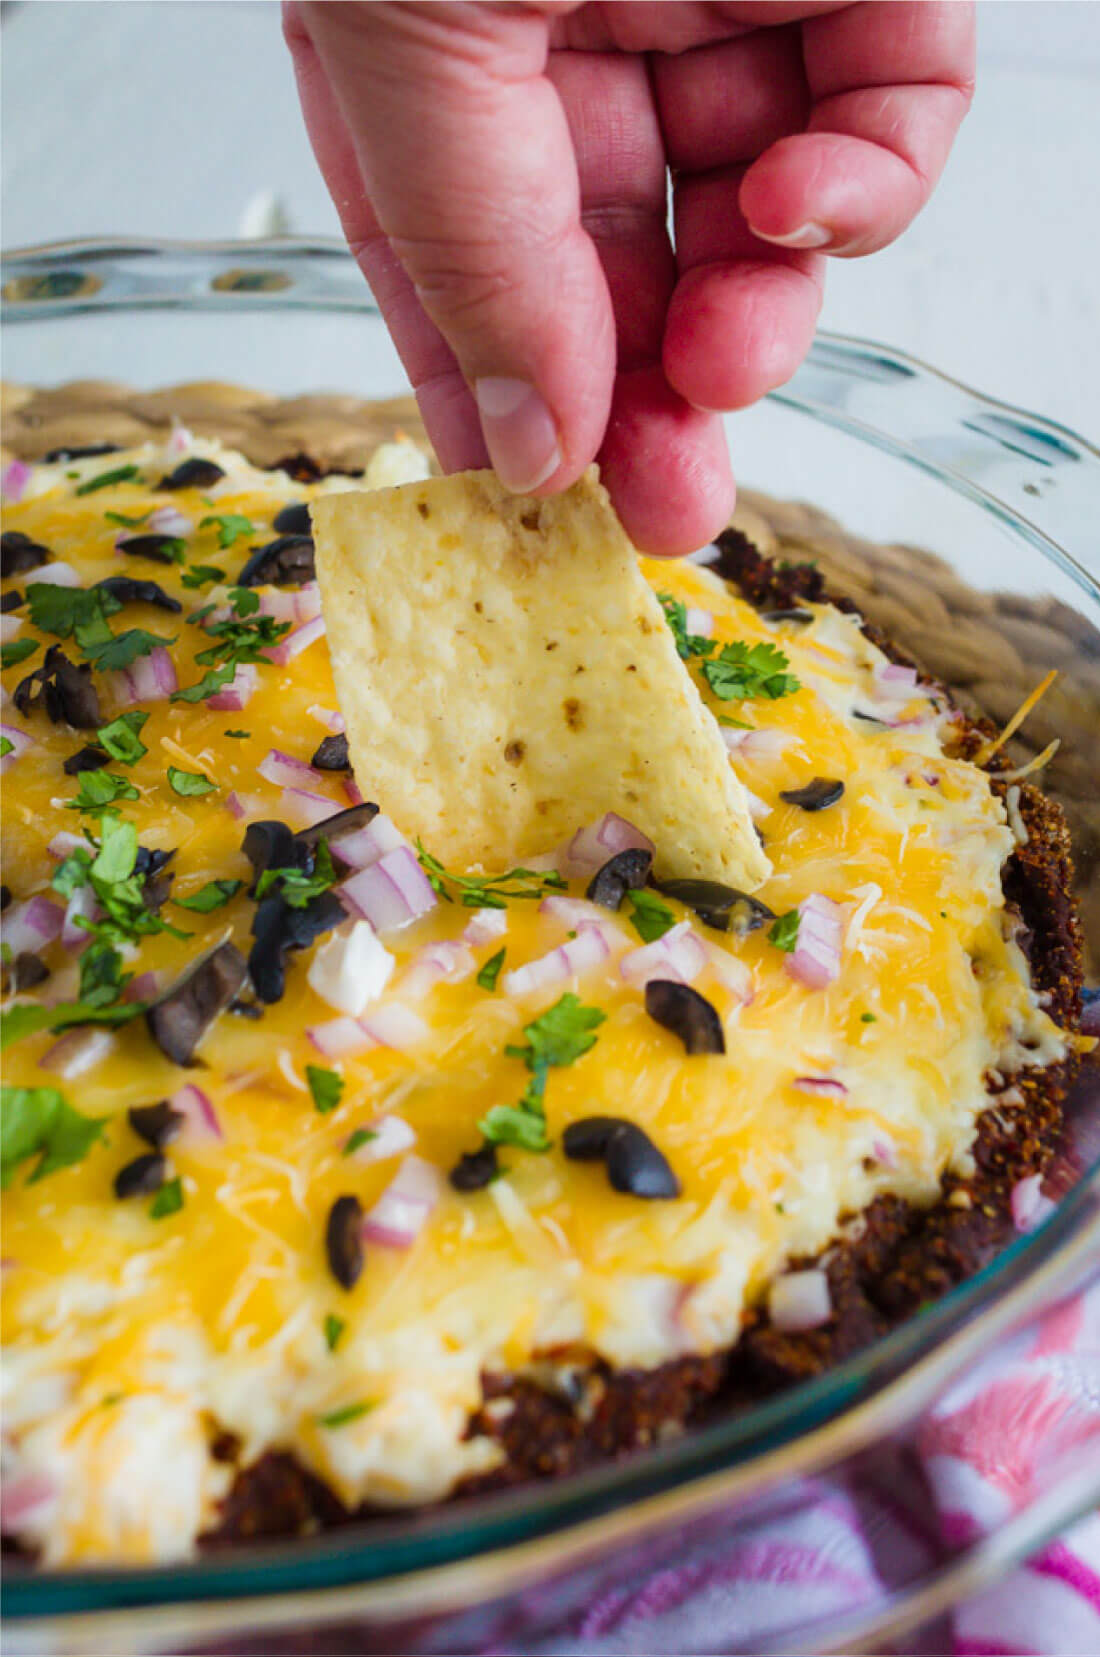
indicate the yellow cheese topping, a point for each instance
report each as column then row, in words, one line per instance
column 131, row 1341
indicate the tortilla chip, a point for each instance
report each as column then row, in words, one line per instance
column 507, row 676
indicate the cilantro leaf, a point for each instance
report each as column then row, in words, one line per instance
column 100, row 788
column 490, row 972
column 295, row 886
column 488, row 891
column 741, row 670
column 101, row 977
column 199, row 574
column 207, row 685
column 334, row 1328
column 340, row 1418
column 16, row 651
column 239, row 736
column 168, row 1200
column 104, row 480
column 244, row 601
column 361, row 1136
column 72, row 872
column 687, row 644
column 122, row 738
column 230, row 526
column 649, row 917
column 7, row 746
column 212, row 896
column 326, row 1086
column 128, row 522
column 560, row 1035
column 63, row 610
column 512, row 1125
column 784, row 931
column 189, row 783
column 117, row 852
column 22, row 1019
column 119, row 650
column 39, row 1121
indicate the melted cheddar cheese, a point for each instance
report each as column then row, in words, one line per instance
column 131, row 1342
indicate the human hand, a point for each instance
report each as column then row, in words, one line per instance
column 500, row 173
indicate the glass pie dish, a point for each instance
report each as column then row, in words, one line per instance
column 974, row 544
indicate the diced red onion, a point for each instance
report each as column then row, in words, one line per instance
column 351, row 969
column 235, row 696
column 391, row 892
column 800, row 1300
column 20, row 742
column 826, row 1087
column 765, row 744
column 485, row 925
column 396, row 1026
column 733, row 973
column 894, row 682
column 591, row 847
column 885, row 1151
column 352, row 792
column 301, row 808
column 679, row 954
column 588, row 949
column 82, row 905
column 444, row 962
column 76, row 1052
column 202, row 1119
column 294, row 643
column 285, row 771
column 1029, row 1206
column 10, row 627
column 572, row 912
column 241, row 806
column 65, row 842
column 759, row 810
column 151, row 678
column 367, row 845
column 23, row 1495
column 14, row 480
column 281, row 604
column 328, row 717
column 392, row 1136
column 815, row 960
column 698, row 623
column 339, row 1038
column 168, row 520
column 145, row 987
column 32, row 924
column 55, row 574
column 399, row 1215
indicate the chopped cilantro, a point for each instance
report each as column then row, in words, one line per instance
column 340, row 1418
column 104, row 480
column 784, row 931
column 22, row 1019
column 72, row 872
column 64, row 611
column 558, row 1036
column 649, row 917
column 687, row 644
column 490, row 972
column 39, row 1121
column 242, row 637
column 119, row 891
column 515, row 1125
column 199, row 574
column 211, row 681
column 297, row 887
column 488, row 891
column 7, row 746
column 742, row 670
column 239, row 736
column 244, row 601
column 326, row 1086
column 168, row 1200
column 334, row 1328
column 127, row 522
column 100, row 788
column 122, row 738
column 230, row 526
column 189, row 783
column 16, row 651
column 119, row 650
column 737, row 724
column 361, row 1136
column 212, row 896
column 867, row 1018
column 102, row 979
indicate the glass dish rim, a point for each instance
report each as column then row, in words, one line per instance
column 799, row 1415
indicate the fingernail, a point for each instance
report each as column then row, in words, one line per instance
column 807, row 235
column 519, row 432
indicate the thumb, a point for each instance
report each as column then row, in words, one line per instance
column 464, row 152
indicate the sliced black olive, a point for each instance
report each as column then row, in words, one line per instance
column 192, row 474
column 83, row 451
column 269, row 844
column 160, row 549
column 141, row 1177
column 687, row 1014
column 332, row 754
column 285, row 562
column 624, row 872
column 802, row 616
column 88, row 758
column 157, row 1124
column 5, row 898
column 148, row 861
column 724, row 907
column 18, row 553
column 67, row 692
column 293, row 519
column 25, row 972
column 344, row 1241
column 180, row 1019
column 128, row 590
column 636, row 1166
column 588, row 1139
column 475, row 1169
column 333, row 829
column 277, row 929
column 303, row 468
column 148, row 866
column 10, row 601
column 822, row 792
